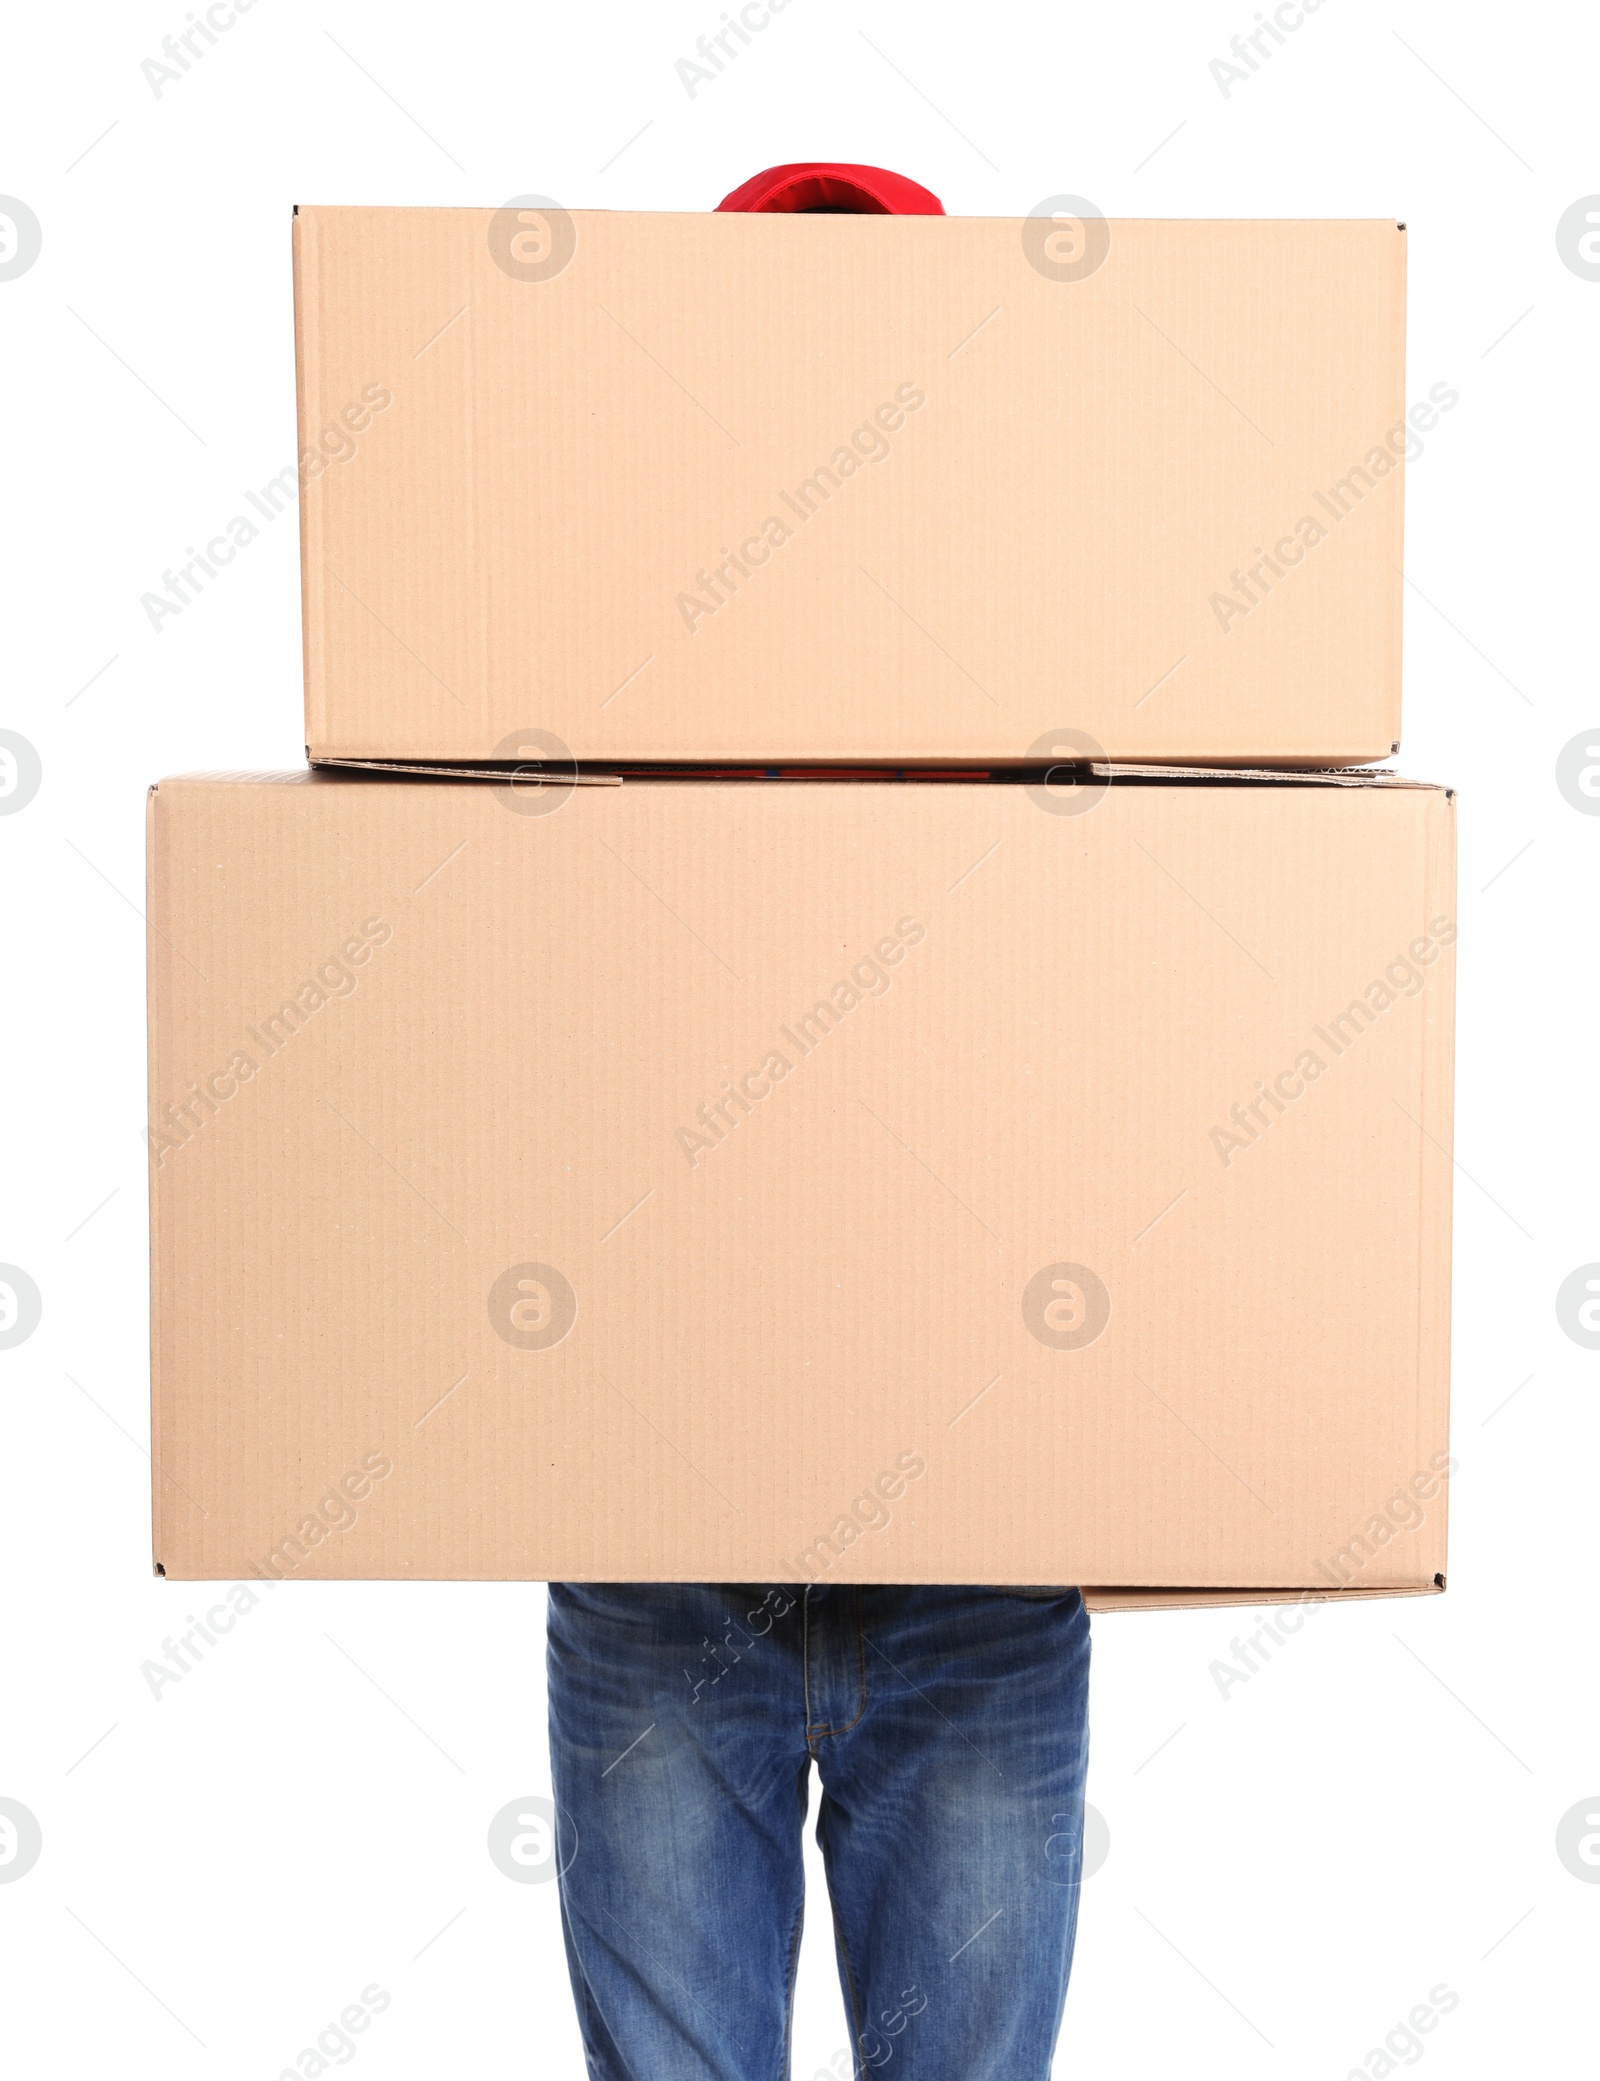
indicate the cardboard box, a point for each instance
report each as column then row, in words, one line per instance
column 858, row 489
column 838, row 1181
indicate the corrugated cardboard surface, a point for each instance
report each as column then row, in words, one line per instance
column 518, row 494
column 409, row 1040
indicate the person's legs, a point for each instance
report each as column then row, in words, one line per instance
column 951, row 1732
column 679, row 1761
column 950, row 1727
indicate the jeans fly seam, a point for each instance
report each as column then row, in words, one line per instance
column 861, row 1681
column 805, row 1659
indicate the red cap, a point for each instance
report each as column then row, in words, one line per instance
column 823, row 184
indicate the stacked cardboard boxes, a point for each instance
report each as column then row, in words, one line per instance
column 834, row 1003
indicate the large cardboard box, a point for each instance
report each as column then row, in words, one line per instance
column 836, row 1181
column 834, row 488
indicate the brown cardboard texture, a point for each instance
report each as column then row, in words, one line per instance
column 834, row 488
column 835, row 1181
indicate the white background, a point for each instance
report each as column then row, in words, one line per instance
column 1291, row 1869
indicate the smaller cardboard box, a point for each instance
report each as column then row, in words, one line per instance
column 798, row 489
column 837, row 1181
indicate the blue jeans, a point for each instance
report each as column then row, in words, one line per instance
column 950, row 1732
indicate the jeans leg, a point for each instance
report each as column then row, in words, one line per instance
column 951, row 1824
column 678, row 1753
